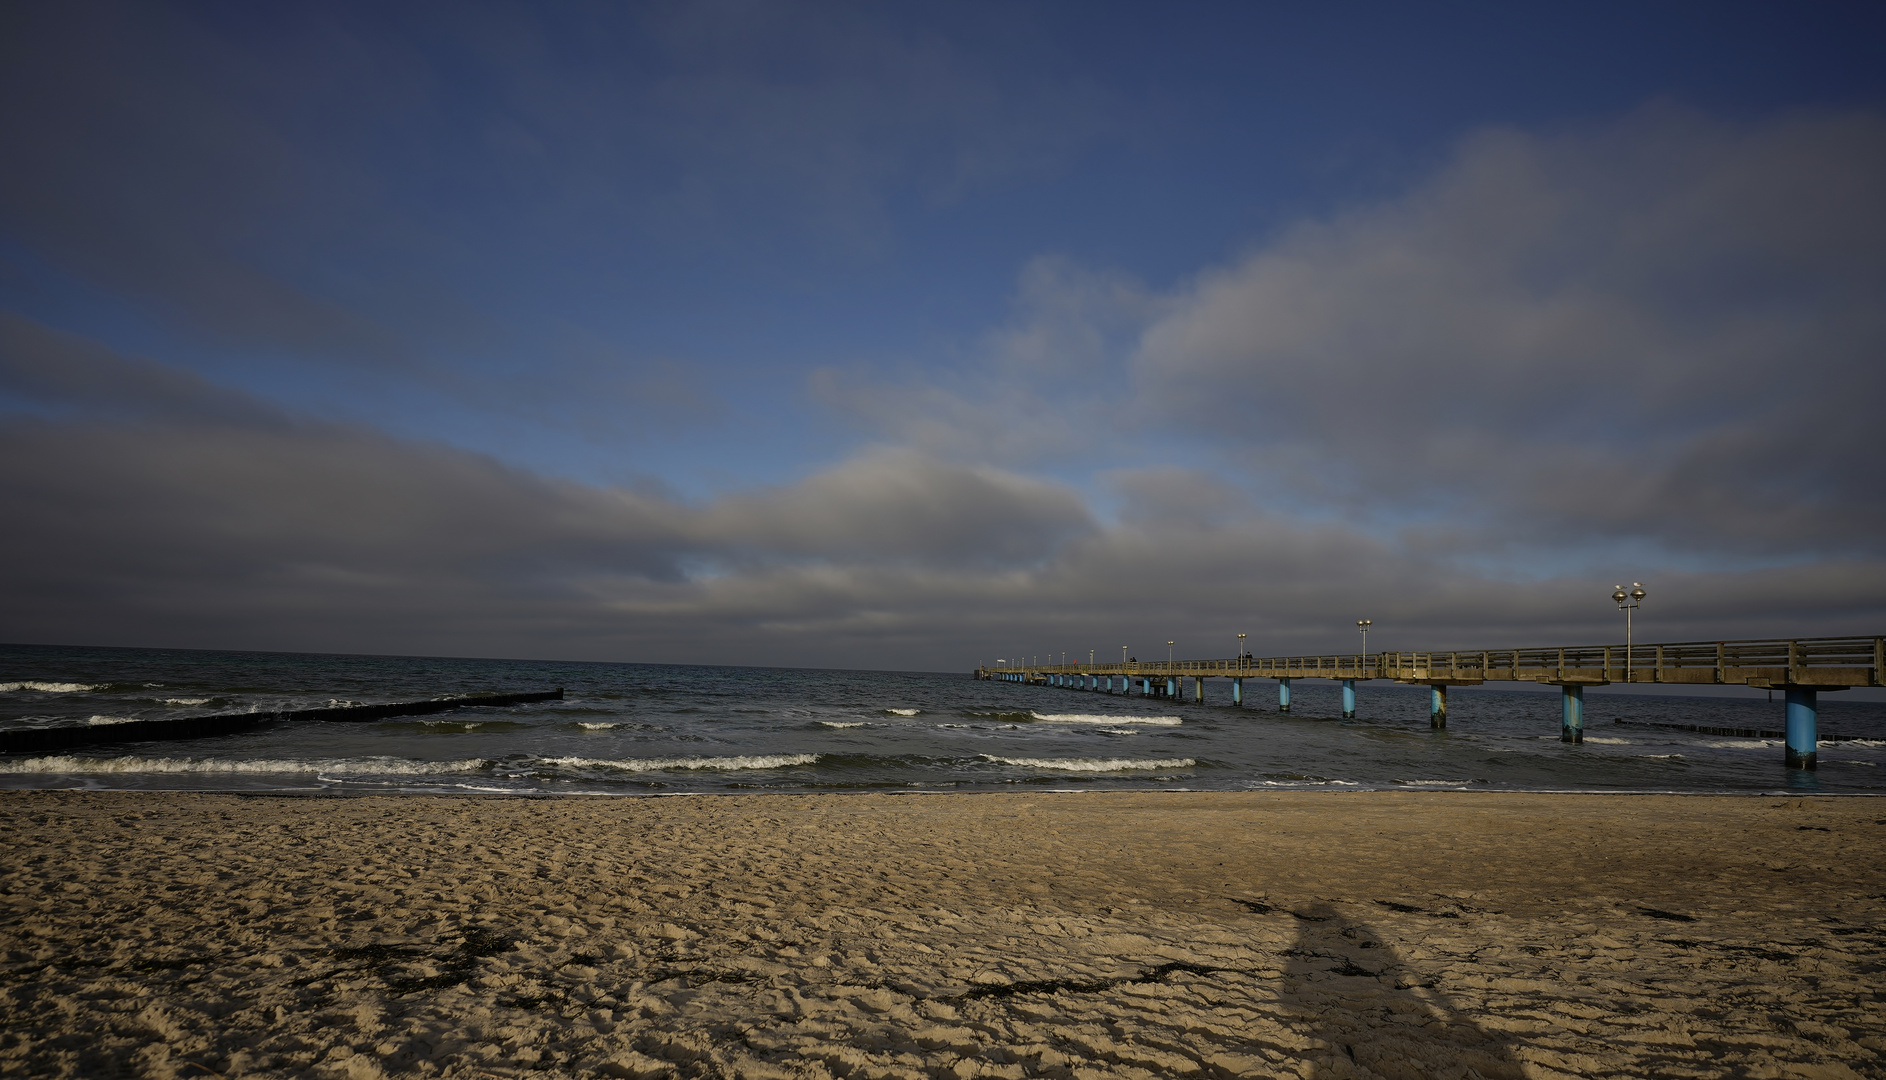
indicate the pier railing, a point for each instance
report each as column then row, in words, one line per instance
column 1826, row 662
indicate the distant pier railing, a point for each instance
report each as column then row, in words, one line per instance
column 1800, row 667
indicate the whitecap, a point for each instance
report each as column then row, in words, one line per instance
column 598, row 725
column 1607, row 742
column 102, row 720
column 1118, row 731
column 1094, row 764
column 845, row 723
column 51, row 687
column 377, row 766
column 1742, row 745
column 1664, row 757
column 748, row 761
column 1436, row 783
column 1875, row 743
column 903, row 712
column 1091, row 718
column 187, row 700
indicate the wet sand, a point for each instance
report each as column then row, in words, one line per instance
column 1146, row 934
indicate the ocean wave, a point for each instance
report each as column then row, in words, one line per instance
column 1438, row 783
column 748, row 761
column 51, row 687
column 1091, row 718
column 1607, row 742
column 102, row 720
column 188, row 700
column 903, row 712
column 1740, row 744
column 324, row 766
column 1118, row 731
column 1865, row 742
column 1094, row 764
column 598, row 726
column 845, row 723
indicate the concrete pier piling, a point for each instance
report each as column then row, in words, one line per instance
column 1572, row 726
column 1237, row 692
column 1283, row 695
column 1348, row 699
column 1437, row 706
column 1803, row 728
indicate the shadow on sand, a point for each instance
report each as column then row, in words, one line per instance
column 1373, row 1018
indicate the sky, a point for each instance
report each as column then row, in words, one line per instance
column 919, row 336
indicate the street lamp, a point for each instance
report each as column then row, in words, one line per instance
column 1628, row 602
column 1123, row 654
column 1168, row 656
column 1363, row 625
column 1240, row 652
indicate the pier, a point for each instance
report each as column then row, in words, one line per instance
column 1801, row 668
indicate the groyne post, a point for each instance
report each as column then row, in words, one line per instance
column 1803, row 728
column 1572, row 726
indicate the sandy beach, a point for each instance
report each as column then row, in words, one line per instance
column 1147, row 934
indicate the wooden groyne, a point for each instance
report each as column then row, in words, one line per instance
column 41, row 740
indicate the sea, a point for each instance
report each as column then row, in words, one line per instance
column 664, row 729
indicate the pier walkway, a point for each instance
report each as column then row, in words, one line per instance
column 1801, row 668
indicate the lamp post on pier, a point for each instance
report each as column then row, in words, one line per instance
column 1363, row 625
column 1240, row 652
column 1628, row 602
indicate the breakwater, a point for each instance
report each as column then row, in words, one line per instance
column 41, row 740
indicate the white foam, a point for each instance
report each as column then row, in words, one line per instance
column 377, row 766
column 1607, row 742
column 1094, row 764
column 1663, row 757
column 1117, row 731
column 903, row 712
column 1861, row 742
column 845, row 723
column 750, row 761
column 1436, row 783
column 1311, row 783
column 597, row 726
column 51, row 687
column 1089, row 718
column 102, row 720
column 1744, row 745
column 187, row 700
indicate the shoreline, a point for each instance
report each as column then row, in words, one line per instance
column 1199, row 933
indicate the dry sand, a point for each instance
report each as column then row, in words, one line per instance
column 1399, row 935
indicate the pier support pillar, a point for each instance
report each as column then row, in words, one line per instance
column 1283, row 695
column 1803, row 728
column 1237, row 691
column 1348, row 699
column 1146, row 687
column 1572, row 730
column 1172, row 687
column 1437, row 705
column 1198, row 689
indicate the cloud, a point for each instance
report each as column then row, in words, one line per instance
column 1666, row 330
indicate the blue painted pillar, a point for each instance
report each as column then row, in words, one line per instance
column 1803, row 728
column 1146, row 686
column 1172, row 687
column 1573, row 729
column 1237, row 691
column 1283, row 695
column 1348, row 699
column 1437, row 705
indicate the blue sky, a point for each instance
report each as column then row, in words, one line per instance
column 880, row 330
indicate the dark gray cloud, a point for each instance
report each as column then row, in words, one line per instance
column 1667, row 330
column 197, row 519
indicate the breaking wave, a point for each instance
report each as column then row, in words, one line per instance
column 1094, row 764
column 903, row 712
column 750, row 761
column 1091, row 718
column 51, row 687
